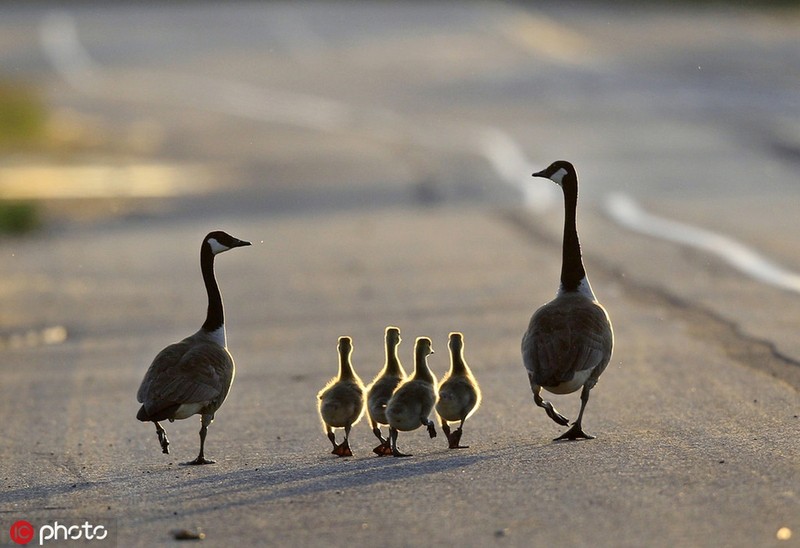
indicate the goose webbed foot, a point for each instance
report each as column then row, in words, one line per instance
column 575, row 433
column 199, row 460
column 555, row 415
column 342, row 450
column 396, row 453
column 384, row 449
column 454, row 439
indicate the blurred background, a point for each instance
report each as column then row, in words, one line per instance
column 118, row 113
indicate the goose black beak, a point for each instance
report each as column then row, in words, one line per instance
column 241, row 243
column 539, row 174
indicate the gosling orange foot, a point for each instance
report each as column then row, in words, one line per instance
column 342, row 450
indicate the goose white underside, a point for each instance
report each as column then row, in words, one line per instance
column 188, row 409
column 572, row 385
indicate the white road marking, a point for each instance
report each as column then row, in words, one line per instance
column 512, row 165
column 625, row 211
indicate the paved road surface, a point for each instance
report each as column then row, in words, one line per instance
column 378, row 157
column 694, row 447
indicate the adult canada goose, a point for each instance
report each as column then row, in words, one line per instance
column 569, row 340
column 459, row 394
column 193, row 376
column 382, row 388
column 413, row 401
column 341, row 402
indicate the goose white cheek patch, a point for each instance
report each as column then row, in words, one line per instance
column 558, row 176
column 217, row 247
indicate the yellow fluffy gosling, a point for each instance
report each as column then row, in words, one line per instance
column 413, row 401
column 382, row 388
column 459, row 393
column 341, row 402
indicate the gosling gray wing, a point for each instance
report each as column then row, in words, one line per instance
column 184, row 373
column 471, row 395
column 457, row 392
column 567, row 336
column 378, row 397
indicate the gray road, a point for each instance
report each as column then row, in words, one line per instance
column 379, row 158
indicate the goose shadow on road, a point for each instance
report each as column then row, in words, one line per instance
column 286, row 481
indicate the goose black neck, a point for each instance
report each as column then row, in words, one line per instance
column 215, row 317
column 572, row 271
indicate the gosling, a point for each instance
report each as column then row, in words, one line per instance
column 341, row 402
column 413, row 401
column 381, row 389
column 459, row 393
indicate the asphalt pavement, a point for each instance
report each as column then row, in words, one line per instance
column 694, row 446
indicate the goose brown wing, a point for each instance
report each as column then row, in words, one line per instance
column 567, row 337
column 162, row 364
column 186, row 373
